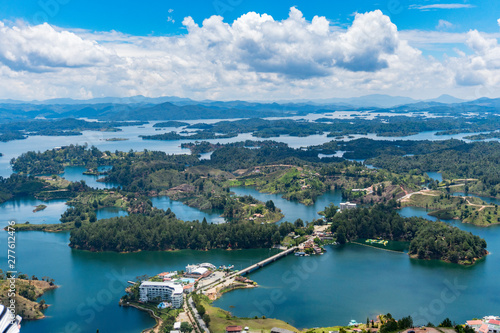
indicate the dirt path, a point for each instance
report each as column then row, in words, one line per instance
column 422, row 192
column 477, row 205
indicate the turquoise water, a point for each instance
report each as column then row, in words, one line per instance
column 75, row 174
column 348, row 282
column 91, row 284
column 185, row 212
column 21, row 210
column 354, row 281
column 435, row 176
column 15, row 148
column 489, row 200
column 293, row 210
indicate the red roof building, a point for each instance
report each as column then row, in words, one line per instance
column 233, row 329
column 483, row 329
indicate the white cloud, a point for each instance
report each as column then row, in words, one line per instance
column 443, row 24
column 42, row 48
column 254, row 57
column 482, row 67
column 442, row 6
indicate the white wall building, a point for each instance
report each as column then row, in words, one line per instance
column 165, row 291
column 347, row 205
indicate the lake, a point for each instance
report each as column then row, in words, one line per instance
column 91, row 284
column 13, row 149
column 355, row 282
column 348, row 282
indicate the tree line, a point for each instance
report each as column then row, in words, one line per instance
column 160, row 230
column 428, row 240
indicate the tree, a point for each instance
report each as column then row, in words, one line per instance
column 298, row 223
column 206, row 318
column 341, row 235
column 186, row 327
column 446, row 323
column 201, row 309
column 270, row 205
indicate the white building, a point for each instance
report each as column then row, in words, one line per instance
column 208, row 266
column 347, row 205
column 164, row 291
column 190, row 268
column 199, row 269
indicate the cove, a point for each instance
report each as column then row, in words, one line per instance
column 91, row 284
column 354, row 281
column 293, row 210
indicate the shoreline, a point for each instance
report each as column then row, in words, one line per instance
column 378, row 248
column 157, row 319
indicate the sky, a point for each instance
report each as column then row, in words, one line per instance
column 249, row 50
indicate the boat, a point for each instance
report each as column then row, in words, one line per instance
column 300, row 254
column 353, row 323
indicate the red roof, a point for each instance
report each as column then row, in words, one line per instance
column 233, row 329
column 494, row 322
column 483, row 328
column 474, row 322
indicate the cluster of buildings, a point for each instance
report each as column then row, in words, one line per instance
column 309, row 244
column 489, row 324
column 199, row 271
column 172, row 287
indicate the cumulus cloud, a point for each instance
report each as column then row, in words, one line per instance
column 42, row 48
column 482, row 67
column 253, row 57
column 295, row 47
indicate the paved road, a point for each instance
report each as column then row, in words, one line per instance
column 197, row 316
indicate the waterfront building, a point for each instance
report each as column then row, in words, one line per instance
column 163, row 291
column 199, row 270
column 494, row 326
column 489, row 324
column 475, row 324
column 233, row 329
column 347, row 205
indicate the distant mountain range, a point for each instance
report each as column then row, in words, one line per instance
column 176, row 108
column 375, row 100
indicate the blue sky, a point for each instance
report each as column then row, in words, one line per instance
column 151, row 17
column 299, row 49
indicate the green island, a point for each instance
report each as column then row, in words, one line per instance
column 171, row 123
column 116, row 139
column 491, row 135
column 297, row 174
column 28, row 292
column 388, row 126
column 196, row 136
column 58, row 127
column 444, row 206
column 39, row 208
